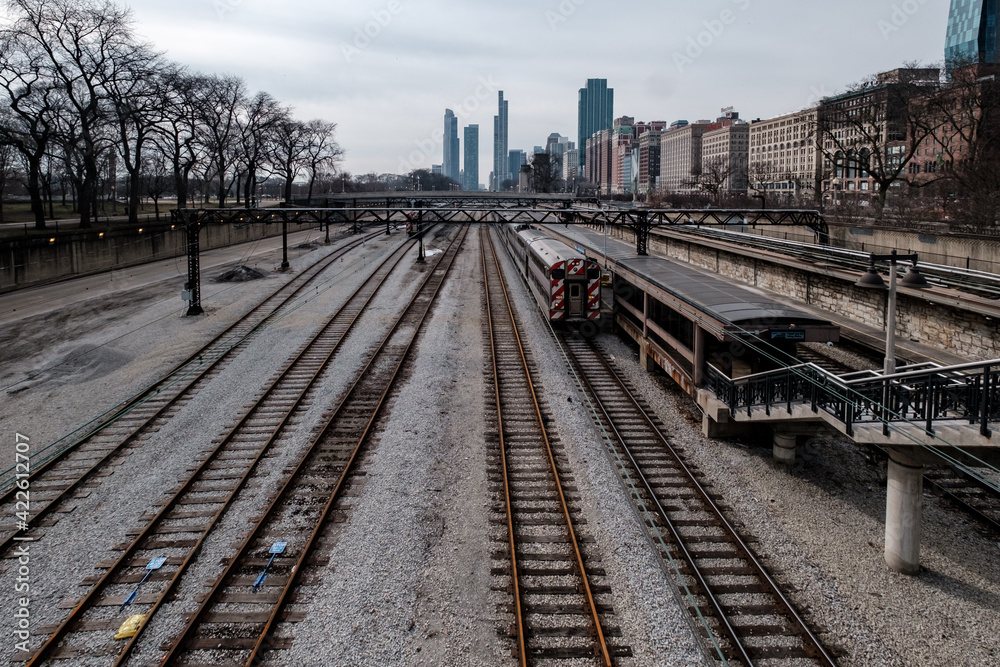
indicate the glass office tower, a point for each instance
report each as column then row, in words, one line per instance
column 972, row 32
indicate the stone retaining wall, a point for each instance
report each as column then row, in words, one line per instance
column 949, row 328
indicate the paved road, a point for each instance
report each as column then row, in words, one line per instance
column 46, row 298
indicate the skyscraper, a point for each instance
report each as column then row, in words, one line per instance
column 596, row 111
column 451, row 164
column 500, row 173
column 972, row 33
column 471, row 180
column 515, row 159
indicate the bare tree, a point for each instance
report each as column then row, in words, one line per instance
column 546, row 174
column 761, row 179
column 715, row 175
column 290, row 154
column 156, row 178
column 82, row 44
column 137, row 95
column 258, row 121
column 857, row 129
column 962, row 155
column 218, row 115
column 179, row 130
column 323, row 152
column 27, row 124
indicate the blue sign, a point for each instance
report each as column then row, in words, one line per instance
column 788, row 335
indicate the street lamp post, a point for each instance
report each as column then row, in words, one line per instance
column 904, row 472
column 872, row 280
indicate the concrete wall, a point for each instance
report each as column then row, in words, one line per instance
column 950, row 328
column 26, row 262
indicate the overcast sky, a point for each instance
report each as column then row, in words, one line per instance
column 385, row 70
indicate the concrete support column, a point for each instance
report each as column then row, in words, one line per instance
column 699, row 356
column 903, row 509
column 645, row 362
column 784, row 448
column 645, row 314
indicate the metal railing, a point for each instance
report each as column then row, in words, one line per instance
column 968, row 393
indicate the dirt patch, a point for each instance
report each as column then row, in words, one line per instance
column 241, row 274
column 76, row 366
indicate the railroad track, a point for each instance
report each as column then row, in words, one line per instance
column 740, row 611
column 972, row 496
column 560, row 604
column 237, row 621
column 177, row 530
column 78, row 459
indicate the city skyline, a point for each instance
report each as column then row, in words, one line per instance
column 385, row 72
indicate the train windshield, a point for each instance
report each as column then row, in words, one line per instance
column 558, row 274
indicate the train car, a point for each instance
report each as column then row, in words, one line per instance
column 565, row 284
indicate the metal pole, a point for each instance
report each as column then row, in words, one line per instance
column 605, row 245
column 194, row 268
column 420, row 233
column 284, row 245
column 327, row 242
column 890, row 323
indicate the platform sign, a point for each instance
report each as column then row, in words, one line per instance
column 788, row 335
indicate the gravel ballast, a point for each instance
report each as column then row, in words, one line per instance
column 409, row 574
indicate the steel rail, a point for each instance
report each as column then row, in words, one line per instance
column 578, row 556
column 234, row 563
column 748, row 554
column 515, row 580
column 112, row 572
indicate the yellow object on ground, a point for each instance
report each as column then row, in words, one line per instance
column 130, row 626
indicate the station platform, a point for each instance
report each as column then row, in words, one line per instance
column 909, row 352
column 943, row 406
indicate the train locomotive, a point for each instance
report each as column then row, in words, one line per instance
column 565, row 283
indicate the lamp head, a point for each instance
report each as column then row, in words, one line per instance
column 914, row 279
column 871, row 280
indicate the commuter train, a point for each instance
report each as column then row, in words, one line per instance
column 566, row 285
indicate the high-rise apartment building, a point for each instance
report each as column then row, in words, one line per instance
column 973, row 32
column 515, row 159
column 471, row 175
column 500, row 172
column 785, row 159
column 725, row 154
column 596, row 111
column 451, row 166
column 680, row 156
column 597, row 165
column 649, row 160
column 571, row 161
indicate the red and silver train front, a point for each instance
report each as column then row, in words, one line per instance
column 576, row 290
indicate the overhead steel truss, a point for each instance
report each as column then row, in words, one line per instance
column 480, row 210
